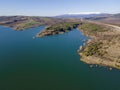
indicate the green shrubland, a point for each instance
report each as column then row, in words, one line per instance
column 94, row 49
column 63, row 26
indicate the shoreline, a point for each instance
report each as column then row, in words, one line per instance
column 98, row 61
column 109, row 58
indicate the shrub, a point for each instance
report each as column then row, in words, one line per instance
column 94, row 49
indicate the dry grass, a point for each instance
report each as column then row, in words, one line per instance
column 110, row 45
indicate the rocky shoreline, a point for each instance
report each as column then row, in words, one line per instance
column 50, row 32
column 105, row 54
column 94, row 60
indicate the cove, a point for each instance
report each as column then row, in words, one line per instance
column 49, row 63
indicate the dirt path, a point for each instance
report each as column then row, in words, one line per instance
column 114, row 26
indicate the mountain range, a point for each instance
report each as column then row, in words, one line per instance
column 100, row 17
column 83, row 15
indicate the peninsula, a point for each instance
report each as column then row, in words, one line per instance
column 59, row 28
column 104, row 46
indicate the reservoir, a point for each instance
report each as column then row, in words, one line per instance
column 49, row 63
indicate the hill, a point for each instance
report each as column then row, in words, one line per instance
column 24, row 22
column 113, row 19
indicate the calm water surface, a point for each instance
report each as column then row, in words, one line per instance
column 49, row 63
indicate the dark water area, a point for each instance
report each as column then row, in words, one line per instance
column 49, row 63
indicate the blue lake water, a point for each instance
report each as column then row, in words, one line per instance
column 49, row 63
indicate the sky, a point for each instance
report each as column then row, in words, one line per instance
column 57, row 7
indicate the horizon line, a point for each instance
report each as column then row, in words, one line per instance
column 82, row 13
